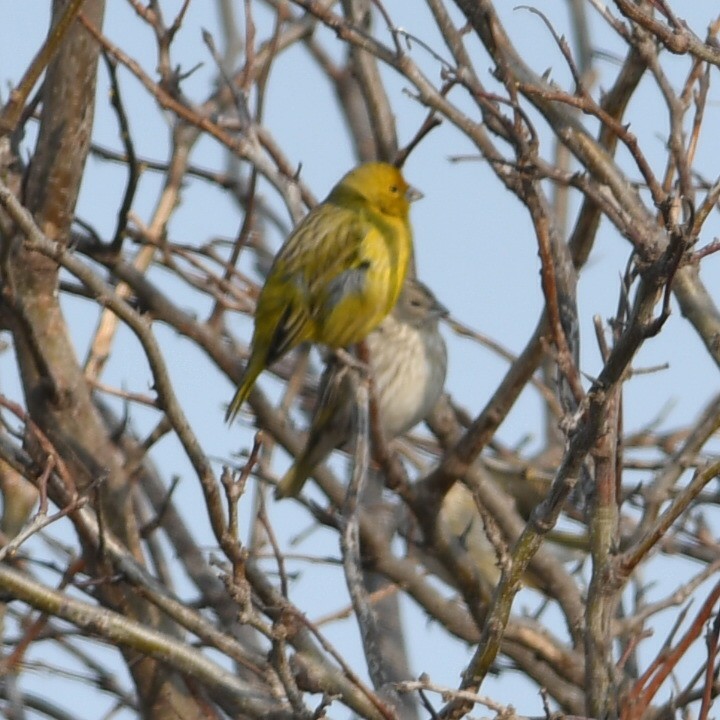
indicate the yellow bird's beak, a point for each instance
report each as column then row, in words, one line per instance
column 412, row 194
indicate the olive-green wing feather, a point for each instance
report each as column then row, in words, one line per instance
column 299, row 287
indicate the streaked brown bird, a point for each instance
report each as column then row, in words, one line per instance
column 408, row 362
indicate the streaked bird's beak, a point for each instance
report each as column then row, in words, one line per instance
column 412, row 194
column 439, row 310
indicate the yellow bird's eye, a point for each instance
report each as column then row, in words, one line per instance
column 394, row 189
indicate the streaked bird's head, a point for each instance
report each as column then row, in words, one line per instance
column 417, row 305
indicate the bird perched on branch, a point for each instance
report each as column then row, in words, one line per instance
column 408, row 361
column 460, row 523
column 338, row 274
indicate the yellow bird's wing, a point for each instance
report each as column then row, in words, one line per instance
column 355, row 294
column 316, row 268
column 339, row 234
column 342, row 262
column 284, row 315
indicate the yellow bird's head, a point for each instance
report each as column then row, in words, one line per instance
column 379, row 184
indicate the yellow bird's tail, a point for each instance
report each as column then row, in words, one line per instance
column 292, row 481
column 247, row 381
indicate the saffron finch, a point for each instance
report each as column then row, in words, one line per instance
column 338, row 274
column 408, row 360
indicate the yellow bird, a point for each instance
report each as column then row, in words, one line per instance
column 338, row 274
column 408, row 360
